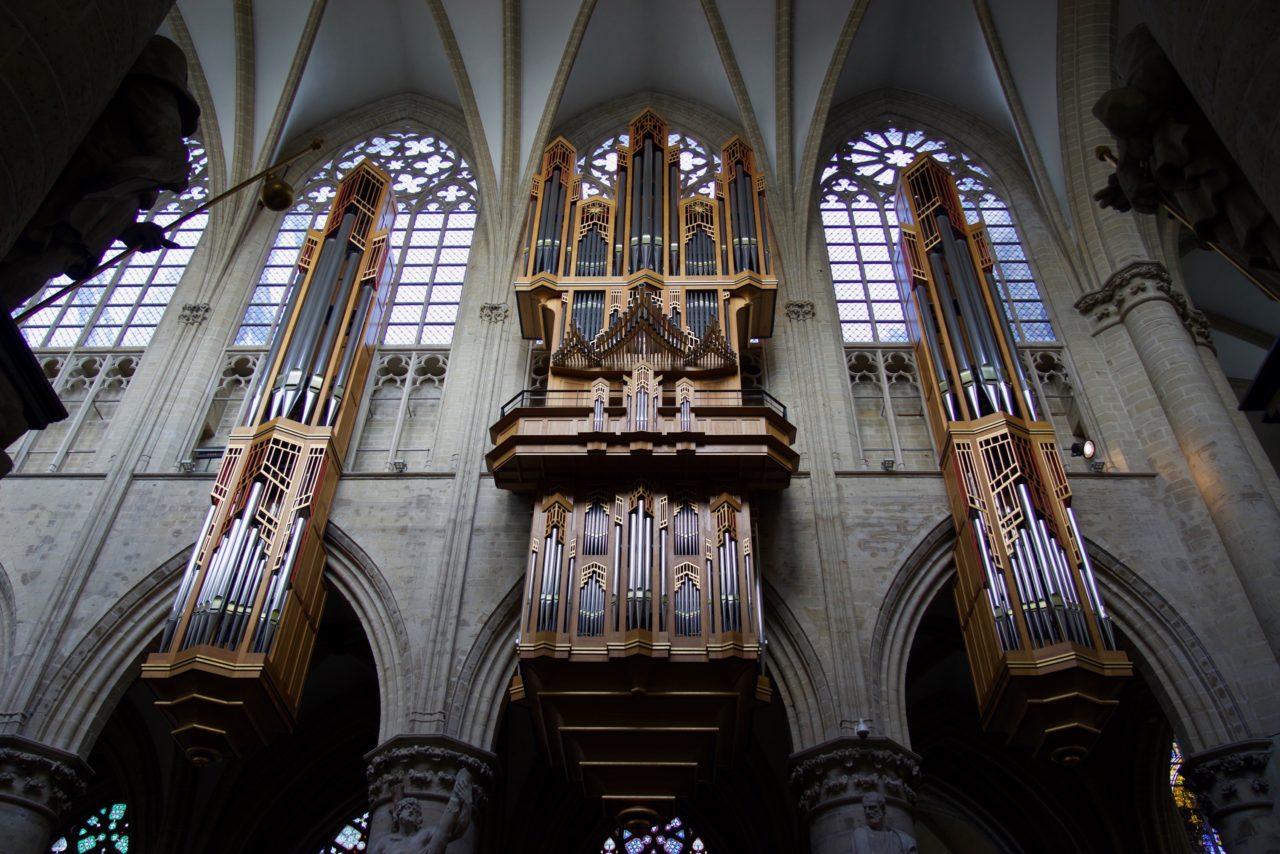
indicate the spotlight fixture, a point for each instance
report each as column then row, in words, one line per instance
column 187, row 466
column 1085, row 448
column 888, row 465
column 399, row 466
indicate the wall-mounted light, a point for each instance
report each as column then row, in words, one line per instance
column 399, row 466
column 888, row 465
column 1085, row 448
column 187, row 466
column 1097, row 466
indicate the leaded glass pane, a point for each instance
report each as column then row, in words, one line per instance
column 857, row 189
column 431, row 237
column 143, row 278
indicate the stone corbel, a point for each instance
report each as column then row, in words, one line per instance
column 1134, row 285
column 194, row 313
column 1231, row 779
column 844, row 771
column 39, row 778
column 494, row 312
column 800, row 309
column 425, row 788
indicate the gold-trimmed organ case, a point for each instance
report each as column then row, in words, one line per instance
column 237, row 644
column 641, row 634
column 1041, row 647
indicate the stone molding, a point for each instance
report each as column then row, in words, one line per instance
column 1231, row 778
column 1130, row 287
column 38, row 777
column 800, row 309
column 494, row 312
column 194, row 313
column 842, row 771
column 425, row 767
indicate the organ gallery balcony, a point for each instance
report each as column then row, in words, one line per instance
column 737, row 434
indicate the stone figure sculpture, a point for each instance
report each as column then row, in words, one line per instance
column 134, row 150
column 875, row 837
column 1167, row 151
column 408, row 834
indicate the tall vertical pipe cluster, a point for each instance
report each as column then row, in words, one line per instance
column 665, row 576
column 1019, row 548
column 254, row 574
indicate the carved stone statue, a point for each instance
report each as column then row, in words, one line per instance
column 1168, row 152
column 875, row 837
column 409, row 836
column 134, row 150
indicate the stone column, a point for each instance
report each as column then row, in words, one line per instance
column 1232, row 786
column 426, row 794
column 37, row 783
column 858, row 795
column 1161, row 325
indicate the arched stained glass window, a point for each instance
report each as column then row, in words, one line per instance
column 436, row 198
column 670, row 838
column 121, row 306
column 698, row 166
column 104, row 832
column 354, row 836
column 857, row 207
column 1204, row 838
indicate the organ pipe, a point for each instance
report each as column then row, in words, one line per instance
column 258, row 559
column 1035, row 626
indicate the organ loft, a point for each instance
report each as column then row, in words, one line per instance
column 641, row 639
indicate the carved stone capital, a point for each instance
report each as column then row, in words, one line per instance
column 1230, row 779
column 194, row 313
column 1134, row 285
column 426, row 768
column 494, row 312
column 845, row 770
column 38, row 777
column 800, row 309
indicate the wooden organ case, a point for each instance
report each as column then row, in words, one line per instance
column 1040, row 645
column 236, row 647
column 641, row 630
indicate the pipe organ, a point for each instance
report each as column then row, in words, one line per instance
column 641, row 635
column 1041, row 647
column 236, row 646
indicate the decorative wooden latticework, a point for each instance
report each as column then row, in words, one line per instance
column 1041, row 647
column 237, row 644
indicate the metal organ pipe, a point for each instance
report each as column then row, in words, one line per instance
column 1028, row 397
column 188, row 578
column 250, row 410
column 946, row 302
column 355, row 337
column 335, row 321
column 981, row 333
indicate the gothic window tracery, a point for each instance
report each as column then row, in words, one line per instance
column 699, row 164
column 104, row 832
column 861, row 228
column 354, row 836
column 673, row 837
column 121, row 306
column 436, row 196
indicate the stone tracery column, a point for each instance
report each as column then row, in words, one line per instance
column 426, row 794
column 1232, row 785
column 37, row 783
column 839, row 784
column 1162, row 325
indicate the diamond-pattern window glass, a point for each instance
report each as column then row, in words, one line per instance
column 354, row 836
column 860, row 224
column 430, row 240
column 121, row 306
